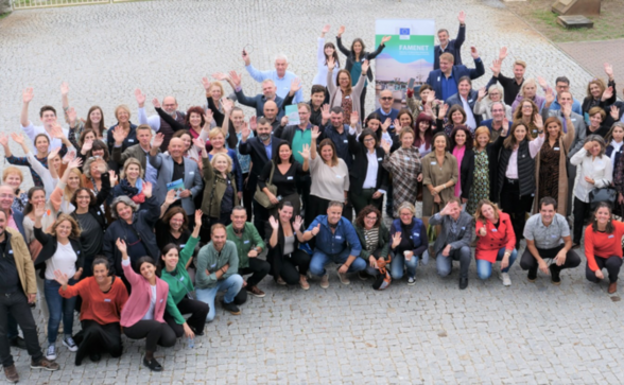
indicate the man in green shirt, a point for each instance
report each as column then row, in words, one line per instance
column 249, row 245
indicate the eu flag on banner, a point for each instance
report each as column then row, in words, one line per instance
column 404, row 33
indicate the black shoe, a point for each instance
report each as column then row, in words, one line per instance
column 18, row 342
column 196, row 332
column 153, row 365
column 95, row 357
column 463, row 283
column 532, row 276
column 554, row 274
column 231, row 307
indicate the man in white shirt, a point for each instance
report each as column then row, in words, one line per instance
column 47, row 115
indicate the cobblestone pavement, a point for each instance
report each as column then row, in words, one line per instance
column 430, row 333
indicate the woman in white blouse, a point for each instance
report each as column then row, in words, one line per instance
column 324, row 52
column 594, row 170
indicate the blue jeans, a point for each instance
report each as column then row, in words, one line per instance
column 320, row 260
column 59, row 308
column 484, row 268
column 444, row 265
column 398, row 261
column 231, row 286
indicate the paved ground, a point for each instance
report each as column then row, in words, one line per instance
column 428, row 333
column 609, row 51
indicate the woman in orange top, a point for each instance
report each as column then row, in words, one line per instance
column 603, row 246
column 496, row 241
column 103, row 297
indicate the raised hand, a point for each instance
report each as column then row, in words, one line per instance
column 315, row 133
column 284, row 121
column 54, row 153
column 61, row 277
column 86, row 146
column 442, row 111
column 112, row 177
column 305, row 152
column 74, row 163
column 72, row 116
column 502, row 54
column 119, row 135
column 365, row 65
column 396, row 123
column 236, row 78
column 253, row 123
column 567, row 110
column 206, row 83
column 505, row 126
column 355, row 118
column 431, row 97
column 482, row 231
column 140, row 97
column 608, row 70
column 295, row 85
column 57, row 131
column 158, row 140
column 482, row 92
column 462, row 17
column 17, row 138
column 385, row 145
column 27, row 95
column 542, row 82
column 220, row 76
column 64, row 88
column 396, row 240
column 156, row 103
column 170, row 198
column 245, row 131
column 273, row 222
column 615, row 112
column 208, row 115
column 227, row 105
column 71, row 155
column 538, row 121
column 40, row 210
column 325, row 29
column 607, row 94
column 341, row 30
column 331, row 63
column 496, row 67
column 316, row 230
column 297, row 223
column 4, row 140
column 474, row 53
column 147, row 189
column 549, row 95
column 385, row 39
column 386, row 124
column 198, row 217
column 246, row 58
column 121, row 246
column 325, row 113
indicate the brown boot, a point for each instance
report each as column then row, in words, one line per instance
column 11, row 374
column 612, row 288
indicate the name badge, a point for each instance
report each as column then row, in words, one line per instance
column 107, row 300
column 346, row 141
column 416, row 235
column 213, row 265
column 338, row 237
column 339, row 176
column 555, row 148
column 434, row 163
column 246, row 242
column 78, row 252
column 469, row 100
column 289, row 178
column 347, row 97
column 573, row 119
column 494, row 230
column 181, row 279
column 600, row 163
column 182, row 246
column 553, row 236
column 438, row 78
column 131, row 140
column 407, row 158
column 463, row 227
column 611, row 236
column 161, row 300
column 379, row 159
column 523, row 155
column 192, row 173
column 99, row 213
column 10, row 251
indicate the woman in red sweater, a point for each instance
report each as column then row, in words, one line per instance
column 496, row 241
column 103, row 297
column 603, row 247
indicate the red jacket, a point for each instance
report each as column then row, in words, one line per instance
column 603, row 245
column 495, row 239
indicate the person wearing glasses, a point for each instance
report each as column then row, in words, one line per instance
column 374, row 237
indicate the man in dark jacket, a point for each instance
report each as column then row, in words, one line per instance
column 453, row 46
column 444, row 81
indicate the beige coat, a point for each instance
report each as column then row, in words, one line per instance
column 435, row 176
column 23, row 262
column 565, row 142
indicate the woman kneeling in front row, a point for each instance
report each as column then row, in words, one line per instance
column 496, row 241
column 103, row 297
column 603, row 246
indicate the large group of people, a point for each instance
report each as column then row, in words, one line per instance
column 139, row 227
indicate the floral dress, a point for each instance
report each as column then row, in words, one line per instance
column 480, row 188
column 549, row 171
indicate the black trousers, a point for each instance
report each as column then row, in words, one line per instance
column 516, row 206
column 247, row 196
column 261, row 217
column 303, row 188
column 318, row 206
column 612, row 264
column 154, row 332
column 528, row 261
column 293, row 266
column 362, row 104
column 97, row 339
column 208, row 221
column 197, row 320
column 16, row 304
column 364, row 199
column 258, row 268
column 581, row 212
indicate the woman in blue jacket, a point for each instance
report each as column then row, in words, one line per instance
column 408, row 237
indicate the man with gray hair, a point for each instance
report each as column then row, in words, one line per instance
column 280, row 76
column 497, row 122
column 158, row 124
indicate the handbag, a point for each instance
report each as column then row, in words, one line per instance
column 260, row 196
column 605, row 194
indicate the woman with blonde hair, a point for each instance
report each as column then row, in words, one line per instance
column 483, row 105
column 66, row 187
column 526, row 113
column 217, row 141
column 220, row 190
column 600, row 94
column 61, row 252
column 130, row 182
column 528, row 90
column 122, row 113
column 496, row 241
column 551, row 174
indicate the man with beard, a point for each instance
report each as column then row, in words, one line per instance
column 158, row 124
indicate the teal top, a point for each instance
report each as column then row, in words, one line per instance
column 179, row 281
column 356, row 72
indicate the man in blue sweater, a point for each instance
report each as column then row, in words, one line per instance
column 336, row 241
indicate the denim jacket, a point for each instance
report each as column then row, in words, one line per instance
column 334, row 243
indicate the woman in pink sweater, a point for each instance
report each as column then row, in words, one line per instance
column 142, row 316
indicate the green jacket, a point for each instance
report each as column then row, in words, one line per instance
column 383, row 244
column 179, row 281
column 250, row 239
column 215, row 186
column 211, row 260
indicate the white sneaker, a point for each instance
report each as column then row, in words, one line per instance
column 411, row 281
column 51, row 353
column 505, row 278
column 70, row 344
